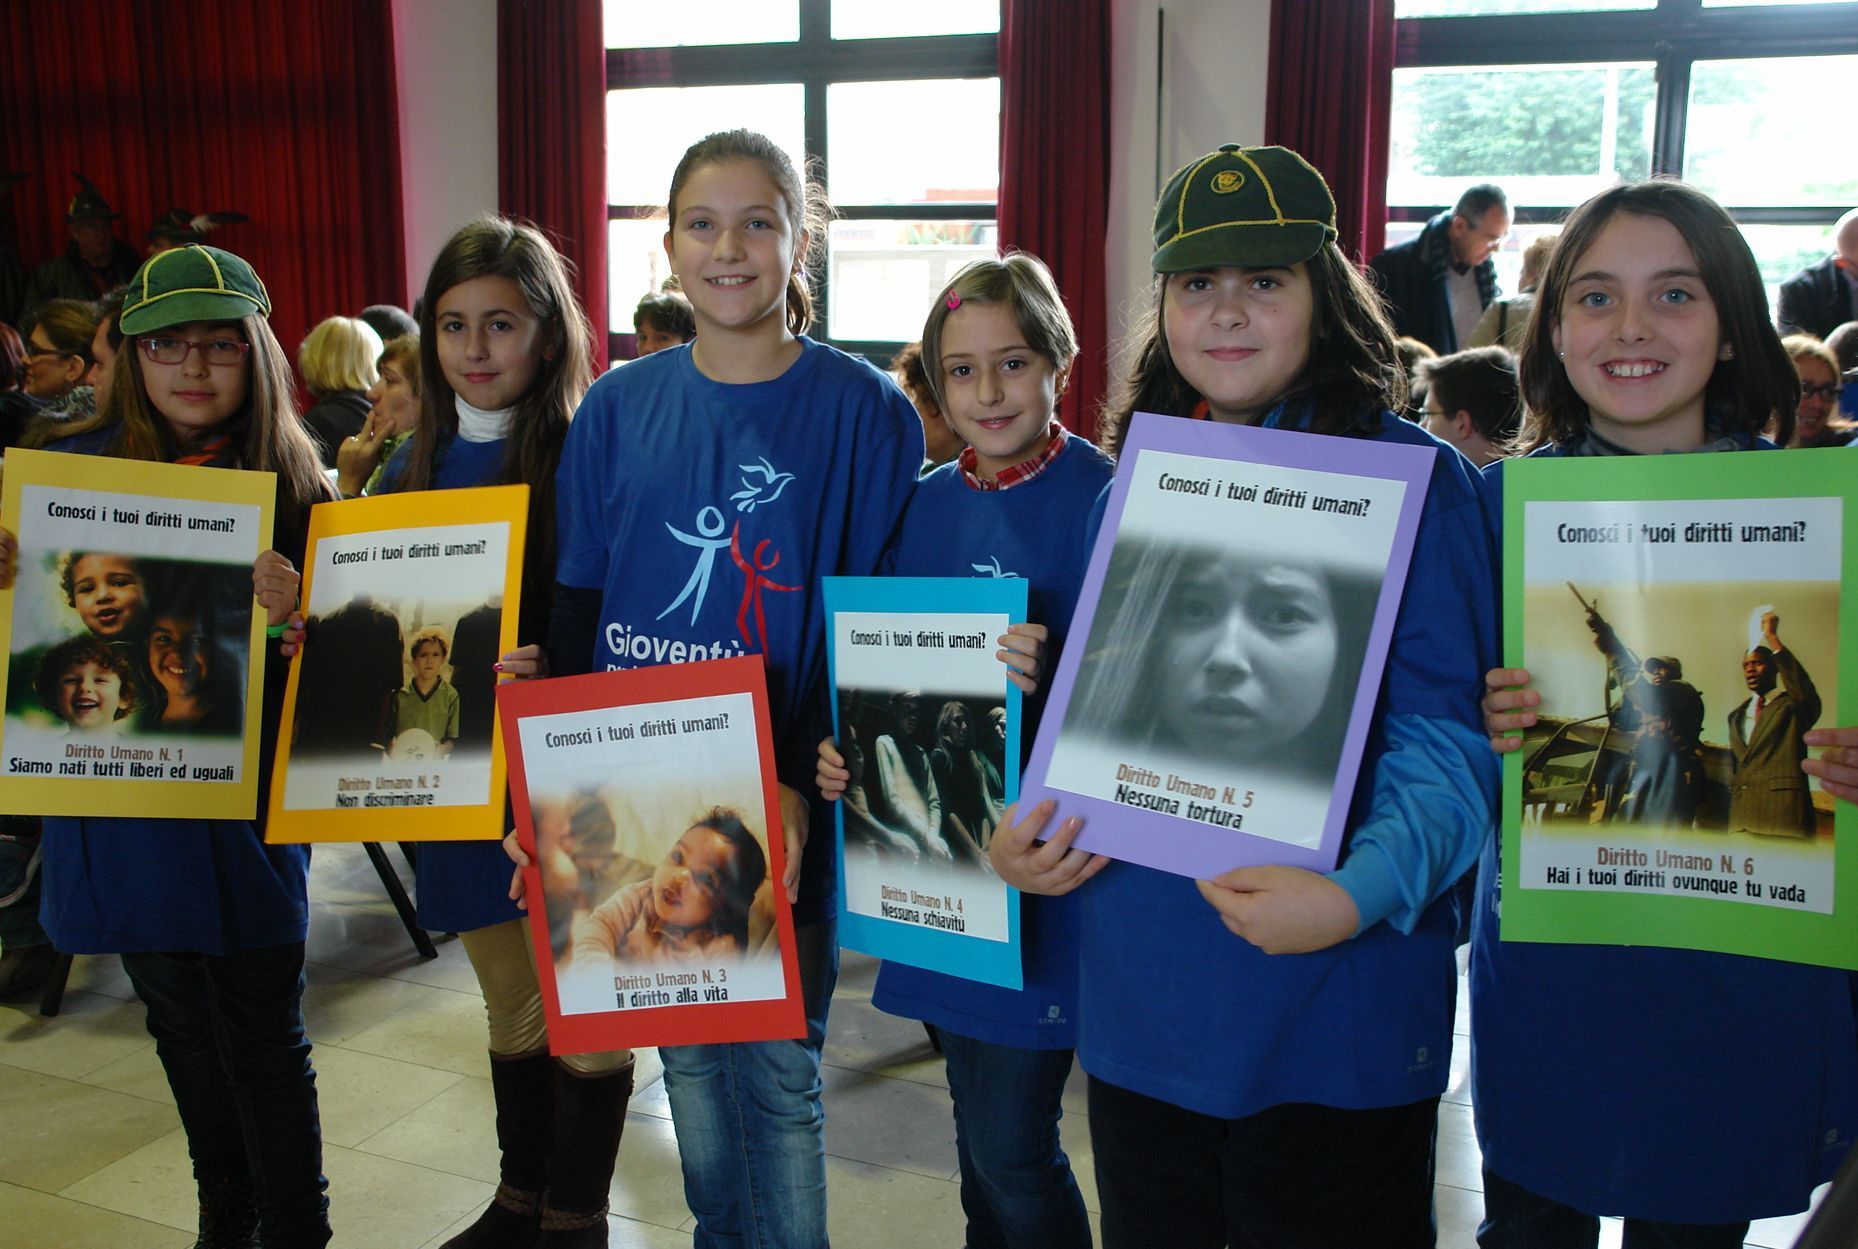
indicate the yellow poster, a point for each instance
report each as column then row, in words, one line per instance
column 134, row 681
column 390, row 723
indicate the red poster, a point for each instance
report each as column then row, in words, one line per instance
column 646, row 801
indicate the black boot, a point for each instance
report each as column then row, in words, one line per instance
column 522, row 1086
column 590, row 1117
column 228, row 1217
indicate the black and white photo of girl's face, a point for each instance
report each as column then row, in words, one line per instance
column 1243, row 656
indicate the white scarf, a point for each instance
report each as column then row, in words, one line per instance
column 481, row 424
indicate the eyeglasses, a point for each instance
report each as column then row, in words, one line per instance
column 1820, row 390
column 220, row 351
column 33, row 349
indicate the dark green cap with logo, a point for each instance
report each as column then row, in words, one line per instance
column 191, row 283
column 1246, row 206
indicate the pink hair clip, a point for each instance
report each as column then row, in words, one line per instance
column 953, row 301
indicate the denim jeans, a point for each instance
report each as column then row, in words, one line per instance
column 229, row 1032
column 1292, row 1176
column 750, row 1129
column 1515, row 1218
column 1016, row 1183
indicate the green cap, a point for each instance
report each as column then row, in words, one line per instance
column 1249, row 206
column 191, row 283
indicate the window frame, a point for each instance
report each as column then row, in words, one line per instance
column 1673, row 36
column 815, row 60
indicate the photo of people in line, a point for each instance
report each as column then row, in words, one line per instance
column 1232, row 659
column 113, row 644
column 637, row 878
column 1706, row 735
column 407, row 682
column 927, row 775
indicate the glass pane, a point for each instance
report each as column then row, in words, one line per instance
column 869, row 160
column 1480, row 8
column 1783, row 251
column 1768, row 4
column 636, row 266
column 1547, row 134
column 646, row 24
column 885, row 19
column 1751, row 139
column 1508, row 257
column 884, row 274
column 1780, row 250
column 648, row 129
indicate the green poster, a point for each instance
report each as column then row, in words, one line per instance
column 1685, row 619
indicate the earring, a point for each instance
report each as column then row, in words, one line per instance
column 1727, row 353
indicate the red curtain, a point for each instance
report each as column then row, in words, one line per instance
column 1055, row 168
column 1331, row 88
column 285, row 112
column 551, row 136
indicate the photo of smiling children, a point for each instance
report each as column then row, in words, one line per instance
column 109, row 636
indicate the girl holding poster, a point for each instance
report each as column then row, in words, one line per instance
column 704, row 491
column 1267, row 1049
column 998, row 348
column 209, row 920
column 503, row 361
column 1650, row 335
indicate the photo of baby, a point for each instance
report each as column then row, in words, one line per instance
column 634, row 881
column 694, row 906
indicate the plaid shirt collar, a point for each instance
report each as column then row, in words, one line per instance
column 1019, row 474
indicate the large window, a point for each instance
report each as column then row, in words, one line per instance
column 1555, row 99
column 895, row 108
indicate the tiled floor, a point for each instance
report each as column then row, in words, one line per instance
column 92, row 1157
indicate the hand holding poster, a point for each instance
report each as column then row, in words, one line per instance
column 646, row 803
column 134, row 649
column 410, row 600
column 1680, row 617
column 928, row 726
column 1234, row 625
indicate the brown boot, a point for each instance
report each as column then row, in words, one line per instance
column 523, row 1087
column 590, row 1118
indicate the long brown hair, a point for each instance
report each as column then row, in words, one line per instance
column 497, row 247
column 1756, row 382
column 805, row 201
column 1353, row 372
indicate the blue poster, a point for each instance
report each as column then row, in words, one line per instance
column 929, row 727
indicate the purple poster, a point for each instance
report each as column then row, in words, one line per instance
column 1228, row 644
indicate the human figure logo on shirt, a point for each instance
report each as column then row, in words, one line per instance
column 762, row 484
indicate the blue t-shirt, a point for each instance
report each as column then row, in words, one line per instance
column 1175, row 1007
column 1038, row 530
column 460, row 885
column 706, row 512
column 116, row 886
column 1677, row 1085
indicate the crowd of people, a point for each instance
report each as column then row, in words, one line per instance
column 1266, row 1050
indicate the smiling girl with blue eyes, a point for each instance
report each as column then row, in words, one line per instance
column 1650, row 335
column 1266, row 1050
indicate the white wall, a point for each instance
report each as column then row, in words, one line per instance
column 1214, row 65
column 445, row 55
